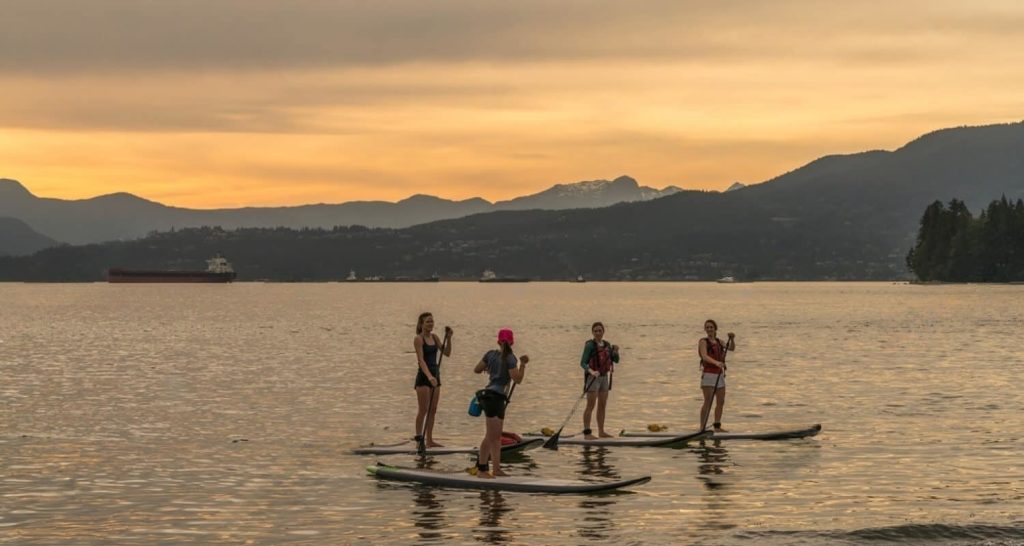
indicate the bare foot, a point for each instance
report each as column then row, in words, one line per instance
column 486, row 475
column 720, row 429
column 499, row 473
column 433, row 444
column 604, row 434
column 589, row 437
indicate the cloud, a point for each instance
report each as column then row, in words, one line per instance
column 317, row 100
column 153, row 35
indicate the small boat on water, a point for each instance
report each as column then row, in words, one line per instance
column 218, row 270
column 490, row 276
column 731, row 280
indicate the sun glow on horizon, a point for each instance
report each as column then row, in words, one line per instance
column 685, row 94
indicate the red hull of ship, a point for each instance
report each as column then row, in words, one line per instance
column 121, row 276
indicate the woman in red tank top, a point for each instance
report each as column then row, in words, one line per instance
column 712, row 375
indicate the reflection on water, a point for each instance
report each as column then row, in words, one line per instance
column 597, row 521
column 225, row 415
column 428, row 515
column 714, row 459
column 594, row 460
column 713, row 470
column 493, row 508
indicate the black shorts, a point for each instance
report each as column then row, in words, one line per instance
column 493, row 403
column 422, row 381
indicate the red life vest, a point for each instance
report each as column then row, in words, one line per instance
column 716, row 351
column 601, row 358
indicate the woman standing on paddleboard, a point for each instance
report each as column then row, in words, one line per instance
column 428, row 376
column 598, row 363
column 712, row 374
column 501, row 367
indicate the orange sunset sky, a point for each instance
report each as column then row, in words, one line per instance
column 224, row 103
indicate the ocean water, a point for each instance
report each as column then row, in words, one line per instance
column 188, row 414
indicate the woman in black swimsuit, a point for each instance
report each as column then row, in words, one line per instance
column 428, row 376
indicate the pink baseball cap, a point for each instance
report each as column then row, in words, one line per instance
column 505, row 336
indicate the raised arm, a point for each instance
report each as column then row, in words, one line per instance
column 519, row 372
column 731, row 344
column 481, row 366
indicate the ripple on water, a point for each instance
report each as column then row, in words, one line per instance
column 225, row 414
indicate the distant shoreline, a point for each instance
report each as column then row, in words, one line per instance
column 558, row 282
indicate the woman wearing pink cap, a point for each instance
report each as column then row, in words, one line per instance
column 501, row 367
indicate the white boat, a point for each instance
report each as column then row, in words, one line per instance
column 726, row 280
column 490, row 276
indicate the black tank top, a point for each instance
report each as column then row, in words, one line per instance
column 430, row 354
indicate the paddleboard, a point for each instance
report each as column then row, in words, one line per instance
column 674, row 440
column 771, row 435
column 406, row 448
column 463, row 480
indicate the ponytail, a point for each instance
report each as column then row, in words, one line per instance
column 506, row 350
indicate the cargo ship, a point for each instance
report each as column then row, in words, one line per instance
column 218, row 270
column 353, row 278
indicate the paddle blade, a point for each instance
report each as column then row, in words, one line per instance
column 552, row 442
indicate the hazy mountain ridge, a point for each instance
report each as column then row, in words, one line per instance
column 126, row 216
column 839, row 217
column 18, row 238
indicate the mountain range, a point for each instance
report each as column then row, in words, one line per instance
column 839, row 217
column 17, row 238
column 125, row 216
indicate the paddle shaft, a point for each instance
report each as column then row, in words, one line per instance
column 552, row 442
column 725, row 351
column 421, row 445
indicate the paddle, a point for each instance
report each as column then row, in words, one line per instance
column 421, row 441
column 552, row 442
column 725, row 351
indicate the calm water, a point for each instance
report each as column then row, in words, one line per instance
column 224, row 414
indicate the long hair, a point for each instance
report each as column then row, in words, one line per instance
column 713, row 323
column 506, row 350
column 419, row 321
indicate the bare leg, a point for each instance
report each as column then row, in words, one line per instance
column 487, row 450
column 706, row 407
column 422, row 399
column 602, row 405
column 429, row 434
column 591, row 400
column 496, row 447
column 719, row 406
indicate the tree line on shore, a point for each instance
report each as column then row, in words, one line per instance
column 955, row 246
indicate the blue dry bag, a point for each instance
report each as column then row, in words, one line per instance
column 474, row 407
